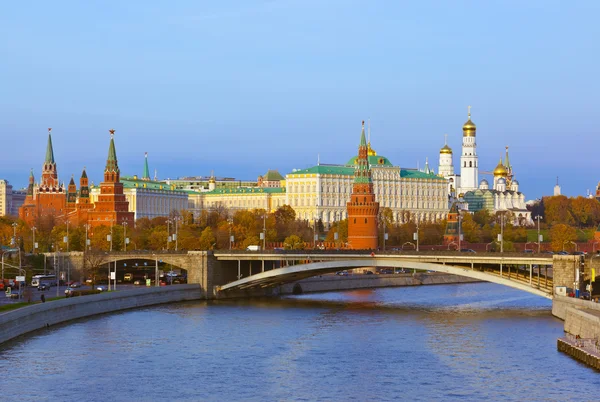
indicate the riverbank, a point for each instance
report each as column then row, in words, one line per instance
column 582, row 328
column 36, row 316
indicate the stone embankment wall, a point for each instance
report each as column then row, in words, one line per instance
column 581, row 317
column 27, row 319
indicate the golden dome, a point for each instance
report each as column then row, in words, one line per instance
column 446, row 150
column 469, row 127
column 500, row 169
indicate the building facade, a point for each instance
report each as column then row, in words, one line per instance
column 6, row 193
column 504, row 196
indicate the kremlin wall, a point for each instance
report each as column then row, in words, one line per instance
column 356, row 191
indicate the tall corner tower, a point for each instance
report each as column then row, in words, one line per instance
column 49, row 181
column 446, row 166
column 469, row 164
column 362, row 208
column 112, row 207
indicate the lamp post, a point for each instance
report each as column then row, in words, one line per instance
column 337, row 229
column 14, row 239
column 87, row 240
column 168, row 233
column 592, row 275
column 416, row 234
column 156, row 271
column 33, row 245
column 66, row 239
column 501, row 239
column 385, row 235
column 459, row 227
column 230, row 221
column 265, row 230
column 569, row 241
column 176, row 233
column 125, row 239
column 539, row 236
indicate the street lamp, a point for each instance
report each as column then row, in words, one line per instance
column 539, row 236
column 168, row 233
column 501, row 235
column 230, row 221
column 66, row 238
column 87, row 240
column 459, row 230
column 33, row 243
column 176, row 232
column 416, row 234
column 592, row 275
column 125, row 239
column 14, row 239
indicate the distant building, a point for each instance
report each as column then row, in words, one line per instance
column 202, row 183
column 6, row 194
column 18, row 198
column 271, row 179
column 557, row 188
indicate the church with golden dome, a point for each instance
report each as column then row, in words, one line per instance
column 504, row 194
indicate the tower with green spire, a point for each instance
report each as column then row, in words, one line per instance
column 112, row 207
column 49, row 182
column 71, row 194
column 362, row 208
column 146, row 175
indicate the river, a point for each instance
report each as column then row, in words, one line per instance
column 450, row 342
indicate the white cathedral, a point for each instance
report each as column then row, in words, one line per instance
column 475, row 195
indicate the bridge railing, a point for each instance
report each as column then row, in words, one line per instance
column 443, row 253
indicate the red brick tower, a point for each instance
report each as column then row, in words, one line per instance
column 362, row 208
column 49, row 200
column 112, row 208
column 452, row 229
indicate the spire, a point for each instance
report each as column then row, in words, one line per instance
column 31, row 184
column 146, row 175
column 318, row 159
column 507, row 162
column 84, row 190
column 427, row 165
column 72, row 182
column 49, row 149
column 363, row 141
column 155, row 175
column 111, row 161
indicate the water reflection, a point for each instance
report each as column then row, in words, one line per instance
column 467, row 342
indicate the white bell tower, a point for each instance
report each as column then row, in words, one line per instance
column 469, row 164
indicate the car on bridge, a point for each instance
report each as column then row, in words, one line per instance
column 467, row 250
column 43, row 286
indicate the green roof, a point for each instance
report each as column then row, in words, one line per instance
column 273, row 175
column 373, row 161
column 130, row 182
column 246, row 190
column 416, row 174
column 327, row 169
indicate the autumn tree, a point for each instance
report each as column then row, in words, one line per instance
column 293, row 242
column 561, row 236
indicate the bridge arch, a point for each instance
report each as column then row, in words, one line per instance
column 294, row 273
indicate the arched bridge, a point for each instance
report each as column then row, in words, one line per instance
column 520, row 271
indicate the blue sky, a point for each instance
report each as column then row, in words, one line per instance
column 240, row 87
